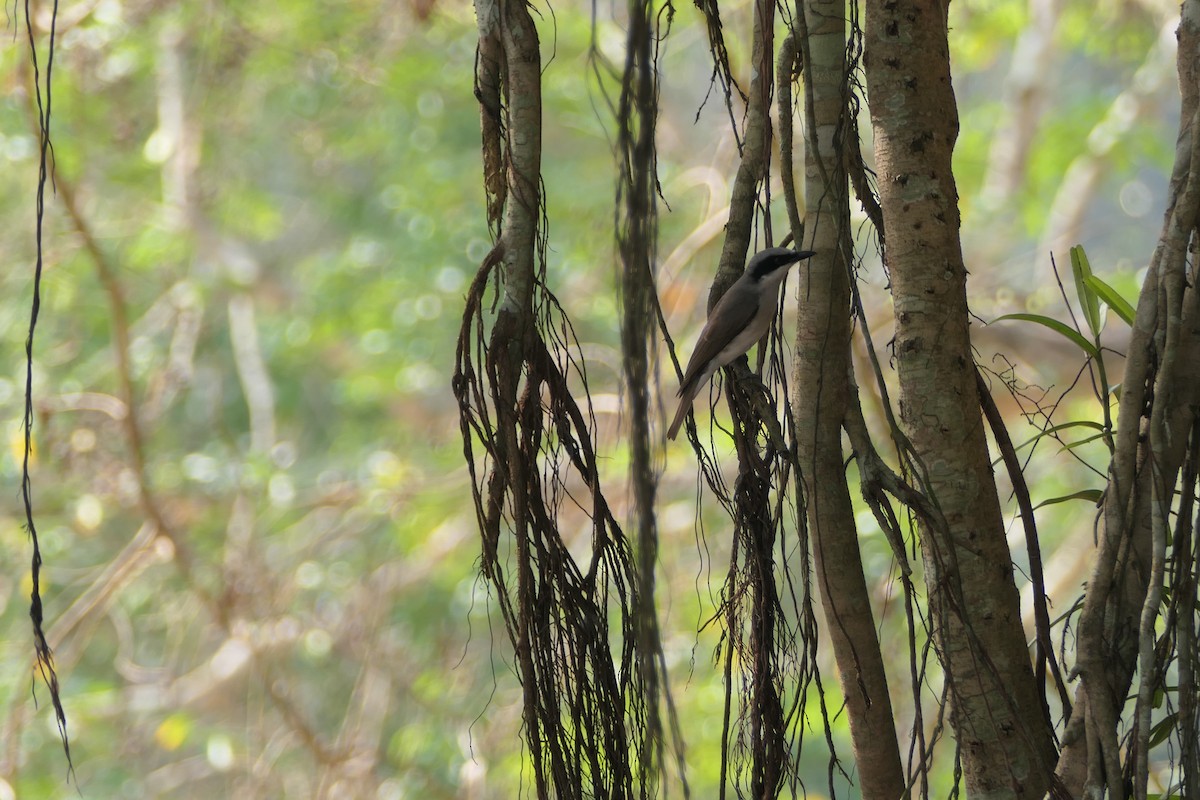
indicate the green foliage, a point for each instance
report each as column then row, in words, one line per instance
column 1109, row 296
column 1066, row 331
column 985, row 30
column 1091, row 292
column 1092, row 496
column 1089, row 302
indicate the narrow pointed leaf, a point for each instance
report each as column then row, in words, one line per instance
column 1091, row 495
column 1164, row 728
column 1112, row 299
column 1079, row 423
column 1081, row 268
column 1054, row 325
column 1081, row 442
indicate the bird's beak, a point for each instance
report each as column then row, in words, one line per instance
column 803, row 254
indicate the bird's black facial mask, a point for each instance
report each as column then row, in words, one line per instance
column 777, row 258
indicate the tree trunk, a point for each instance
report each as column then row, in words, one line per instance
column 1006, row 746
column 822, row 396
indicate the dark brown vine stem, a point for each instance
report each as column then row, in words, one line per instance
column 41, row 101
column 637, row 242
column 586, row 667
column 1041, row 616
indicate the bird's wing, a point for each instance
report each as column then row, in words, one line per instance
column 735, row 309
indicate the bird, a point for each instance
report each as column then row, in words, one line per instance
column 740, row 318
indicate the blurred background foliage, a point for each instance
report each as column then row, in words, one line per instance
column 289, row 197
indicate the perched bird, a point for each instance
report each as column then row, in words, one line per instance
column 740, row 318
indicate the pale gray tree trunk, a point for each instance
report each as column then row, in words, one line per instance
column 822, row 398
column 1006, row 746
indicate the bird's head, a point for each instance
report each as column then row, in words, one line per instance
column 773, row 263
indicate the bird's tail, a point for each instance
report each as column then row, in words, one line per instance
column 686, row 397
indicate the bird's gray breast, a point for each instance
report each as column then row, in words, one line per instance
column 753, row 318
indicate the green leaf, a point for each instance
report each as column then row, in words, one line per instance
column 1079, row 423
column 1081, row 442
column 1054, row 325
column 1112, row 299
column 1160, row 732
column 1092, row 495
column 1088, row 301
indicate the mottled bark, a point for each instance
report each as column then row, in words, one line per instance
column 1007, row 750
column 822, row 369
